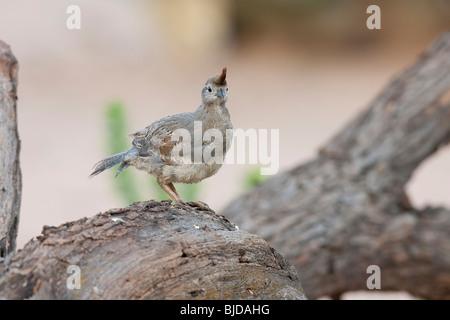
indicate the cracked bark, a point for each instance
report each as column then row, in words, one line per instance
column 331, row 217
column 10, row 176
column 347, row 209
column 150, row 250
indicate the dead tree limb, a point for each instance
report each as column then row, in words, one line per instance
column 10, row 176
column 150, row 250
column 347, row 209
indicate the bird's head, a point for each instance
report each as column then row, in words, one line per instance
column 216, row 89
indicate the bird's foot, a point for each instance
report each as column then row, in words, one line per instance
column 199, row 204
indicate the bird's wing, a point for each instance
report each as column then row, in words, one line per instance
column 158, row 139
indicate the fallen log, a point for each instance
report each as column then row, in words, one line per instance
column 149, row 250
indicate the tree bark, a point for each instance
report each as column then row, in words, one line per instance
column 347, row 209
column 10, row 176
column 150, row 250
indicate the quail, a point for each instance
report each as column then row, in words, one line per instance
column 171, row 157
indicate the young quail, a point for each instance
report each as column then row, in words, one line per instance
column 158, row 149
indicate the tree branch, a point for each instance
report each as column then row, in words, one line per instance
column 347, row 209
column 406, row 123
column 10, row 181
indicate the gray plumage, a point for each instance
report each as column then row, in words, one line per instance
column 158, row 150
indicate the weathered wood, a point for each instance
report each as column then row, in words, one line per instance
column 150, row 250
column 10, row 176
column 347, row 209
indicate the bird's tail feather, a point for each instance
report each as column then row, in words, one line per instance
column 110, row 162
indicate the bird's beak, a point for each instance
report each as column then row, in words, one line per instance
column 220, row 94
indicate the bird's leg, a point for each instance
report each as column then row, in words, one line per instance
column 171, row 191
column 169, row 188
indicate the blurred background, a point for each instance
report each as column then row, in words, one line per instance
column 306, row 67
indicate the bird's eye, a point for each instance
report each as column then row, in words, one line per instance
column 227, row 89
column 209, row 89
